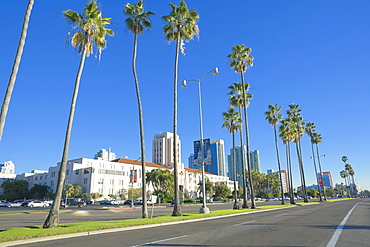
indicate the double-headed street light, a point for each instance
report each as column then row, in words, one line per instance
column 203, row 209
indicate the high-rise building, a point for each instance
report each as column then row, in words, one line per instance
column 103, row 154
column 255, row 160
column 327, row 180
column 162, row 149
column 239, row 170
column 218, row 165
column 191, row 161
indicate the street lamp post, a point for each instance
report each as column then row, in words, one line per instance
column 203, row 209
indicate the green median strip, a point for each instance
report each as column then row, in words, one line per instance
column 28, row 232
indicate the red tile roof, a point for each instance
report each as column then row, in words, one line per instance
column 138, row 162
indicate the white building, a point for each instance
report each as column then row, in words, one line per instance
column 162, row 149
column 7, row 171
column 113, row 177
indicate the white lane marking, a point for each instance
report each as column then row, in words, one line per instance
column 281, row 215
column 244, row 223
column 334, row 239
column 162, row 240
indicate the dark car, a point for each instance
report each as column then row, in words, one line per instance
column 173, row 202
column 109, row 202
column 72, row 202
column 127, row 202
column 87, row 201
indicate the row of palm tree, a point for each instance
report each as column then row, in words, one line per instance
column 91, row 30
column 292, row 129
column 240, row 61
column 346, row 174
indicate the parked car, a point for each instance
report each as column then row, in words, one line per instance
column 109, row 202
column 127, row 202
column 87, row 201
column 271, row 199
column 72, row 202
column 5, row 204
column 173, row 202
column 34, row 204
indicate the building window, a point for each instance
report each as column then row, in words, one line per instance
column 85, row 180
column 52, row 183
column 86, row 171
column 40, row 177
column 67, row 172
column 53, row 174
column 46, row 176
column 77, row 172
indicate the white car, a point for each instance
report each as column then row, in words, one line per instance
column 35, row 204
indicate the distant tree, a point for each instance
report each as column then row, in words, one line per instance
column 135, row 193
column 313, row 193
column 95, row 195
column 39, row 191
column 222, row 191
column 162, row 182
column 68, row 190
column 208, row 185
column 77, row 190
column 14, row 189
column 330, row 192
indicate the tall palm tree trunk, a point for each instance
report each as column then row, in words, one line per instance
column 279, row 166
column 236, row 205
column 289, row 166
column 253, row 203
column 317, row 178
column 245, row 204
column 318, row 159
column 176, row 208
column 17, row 60
column 303, row 180
column 141, row 124
column 52, row 220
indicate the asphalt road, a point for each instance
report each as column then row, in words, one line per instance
column 98, row 213
column 346, row 222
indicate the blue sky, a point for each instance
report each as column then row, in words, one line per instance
column 311, row 53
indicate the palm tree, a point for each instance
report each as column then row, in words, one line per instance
column 91, row 31
column 240, row 60
column 350, row 171
column 274, row 117
column 287, row 136
column 236, row 99
column 310, row 131
column 344, row 175
column 318, row 139
column 136, row 22
column 294, row 116
column 233, row 124
column 181, row 26
column 17, row 60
